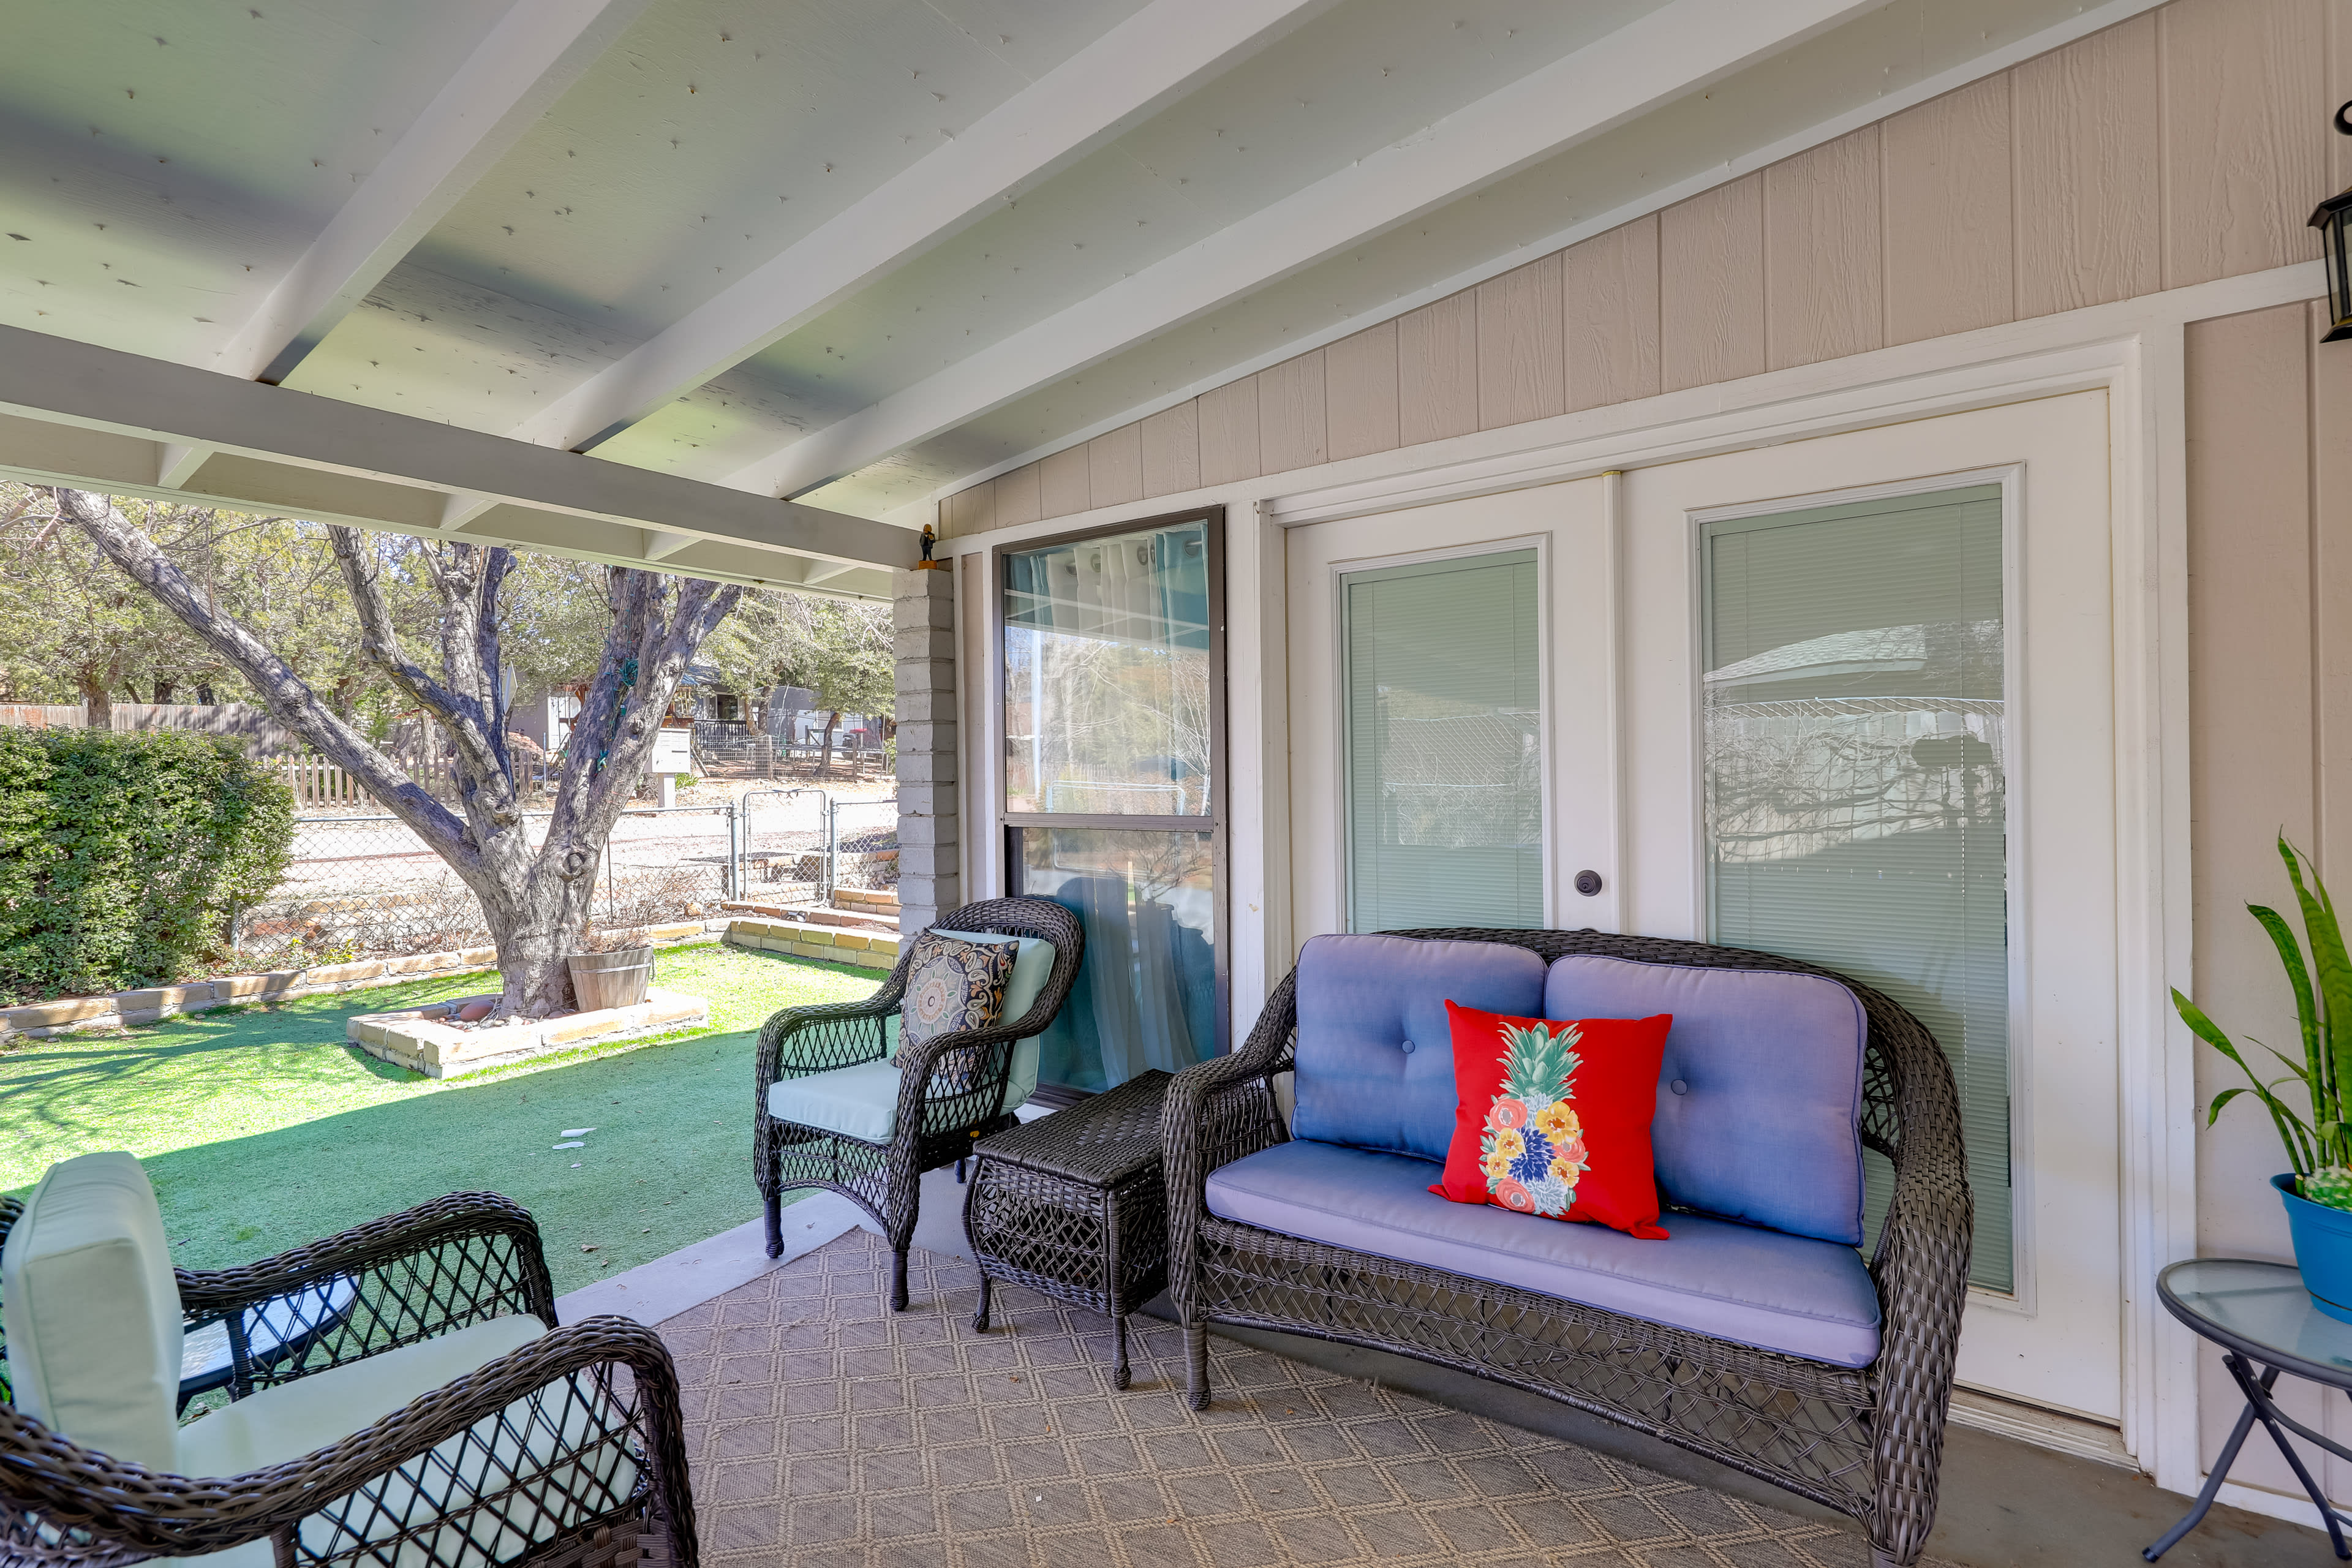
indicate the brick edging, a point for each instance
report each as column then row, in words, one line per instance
column 118, row 1009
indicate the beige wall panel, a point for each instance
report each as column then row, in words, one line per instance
column 2245, row 111
column 1017, row 500
column 1821, row 253
column 1115, row 466
column 2088, row 148
column 1359, row 380
column 1711, row 286
column 1229, row 433
column 1290, row 415
column 2251, row 748
column 2331, row 533
column 1950, row 261
column 1522, row 355
column 1063, row 483
column 1171, row 450
column 972, row 511
column 1437, row 370
column 1609, row 293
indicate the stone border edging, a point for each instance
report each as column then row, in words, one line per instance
column 118, row 1009
column 831, row 944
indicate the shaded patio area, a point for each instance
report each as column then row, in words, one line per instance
column 824, row 1431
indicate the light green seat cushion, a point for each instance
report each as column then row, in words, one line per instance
column 92, row 1312
column 289, row 1421
column 862, row 1102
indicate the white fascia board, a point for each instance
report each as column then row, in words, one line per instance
column 59, row 380
column 535, row 51
column 1676, row 50
column 1153, row 58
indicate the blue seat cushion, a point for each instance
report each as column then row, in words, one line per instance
column 1786, row 1293
column 1374, row 1055
column 860, row 1101
column 1766, row 1126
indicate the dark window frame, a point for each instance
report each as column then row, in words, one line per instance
column 1009, row 824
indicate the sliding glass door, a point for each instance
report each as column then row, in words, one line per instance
column 1112, row 675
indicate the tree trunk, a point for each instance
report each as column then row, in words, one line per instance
column 98, row 697
column 825, row 759
column 162, row 690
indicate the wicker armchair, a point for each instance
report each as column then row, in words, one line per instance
column 565, row 1452
column 952, row 1088
column 1865, row 1441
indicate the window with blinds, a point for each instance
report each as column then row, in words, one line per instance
column 1439, row 672
column 1857, row 779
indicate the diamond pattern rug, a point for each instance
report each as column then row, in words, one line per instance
column 827, row 1432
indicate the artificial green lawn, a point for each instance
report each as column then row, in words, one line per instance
column 262, row 1128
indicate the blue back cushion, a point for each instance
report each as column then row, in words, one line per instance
column 1766, row 1125
column 1374, row 1055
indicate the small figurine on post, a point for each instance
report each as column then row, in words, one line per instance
column 927, row 563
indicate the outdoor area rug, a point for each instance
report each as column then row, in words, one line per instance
column 826, row 1432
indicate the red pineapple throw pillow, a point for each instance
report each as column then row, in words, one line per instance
column 1553, row 1118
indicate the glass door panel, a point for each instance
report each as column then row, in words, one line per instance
column 1856, row 778
column 1442, row 737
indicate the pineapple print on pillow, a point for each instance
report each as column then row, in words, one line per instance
column 1553, row 1117
column 1533, row 1151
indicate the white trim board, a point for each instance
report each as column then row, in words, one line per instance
column 2079, row 26
column 2134, row 350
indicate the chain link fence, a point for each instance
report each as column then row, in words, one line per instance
column 361, row 884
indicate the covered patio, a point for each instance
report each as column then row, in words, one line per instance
column 1792, row 491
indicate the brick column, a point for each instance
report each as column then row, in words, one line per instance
column 923, row 618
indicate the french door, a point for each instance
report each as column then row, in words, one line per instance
column 1850, row 699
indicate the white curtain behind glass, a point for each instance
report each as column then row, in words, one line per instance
column 1443, row 738
column 1856, row 778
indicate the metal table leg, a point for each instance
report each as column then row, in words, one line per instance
column 2261, row 1407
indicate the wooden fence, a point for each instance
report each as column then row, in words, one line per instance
column 317, row 781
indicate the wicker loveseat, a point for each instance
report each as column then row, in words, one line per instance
column 399, row 1393
column 1779, row 1352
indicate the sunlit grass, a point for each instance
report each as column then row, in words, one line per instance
column 262, row 1128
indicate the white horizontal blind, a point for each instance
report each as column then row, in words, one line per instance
column 1856, row 780
column 1442, row 731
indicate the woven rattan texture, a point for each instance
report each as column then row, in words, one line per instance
column 1868, row 1444
column 951, row 1088
column 609, row 1492
column 827, row 1432
column 1072, row 1205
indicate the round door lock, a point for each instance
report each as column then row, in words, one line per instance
column 1588, row 883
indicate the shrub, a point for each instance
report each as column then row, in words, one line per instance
column 125, row 859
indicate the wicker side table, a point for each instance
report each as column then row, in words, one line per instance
column 1071, row 1206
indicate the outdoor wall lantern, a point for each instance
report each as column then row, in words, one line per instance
column 2332, row 219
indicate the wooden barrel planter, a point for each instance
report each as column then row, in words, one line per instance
column 603, row 980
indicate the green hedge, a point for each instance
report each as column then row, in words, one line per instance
column 125, row 858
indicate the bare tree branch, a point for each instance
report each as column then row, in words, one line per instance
column 283, row 692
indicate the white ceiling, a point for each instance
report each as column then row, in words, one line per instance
column 166, row 164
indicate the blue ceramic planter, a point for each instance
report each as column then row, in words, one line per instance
column 2323, row 1250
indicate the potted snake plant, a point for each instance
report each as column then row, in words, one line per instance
column 2317, row 1190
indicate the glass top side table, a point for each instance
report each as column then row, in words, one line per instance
column 2262, row 1318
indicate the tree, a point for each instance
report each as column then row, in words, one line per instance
column 837, row 649
column 535, row 901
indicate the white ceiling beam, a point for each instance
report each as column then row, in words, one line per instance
column 662, row 544
column 179, row 462
column 535, row 51
column 825, row 572
column 1676, row 50
column 458, row 510
column 414, row 468
column 1151, row 59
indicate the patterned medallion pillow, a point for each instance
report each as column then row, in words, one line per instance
column 1553, row 1118
column 953, row 984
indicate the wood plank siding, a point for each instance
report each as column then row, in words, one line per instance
column 2185, row 144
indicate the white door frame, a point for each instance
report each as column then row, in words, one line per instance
column 2134, row 349
column 2134, row 354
